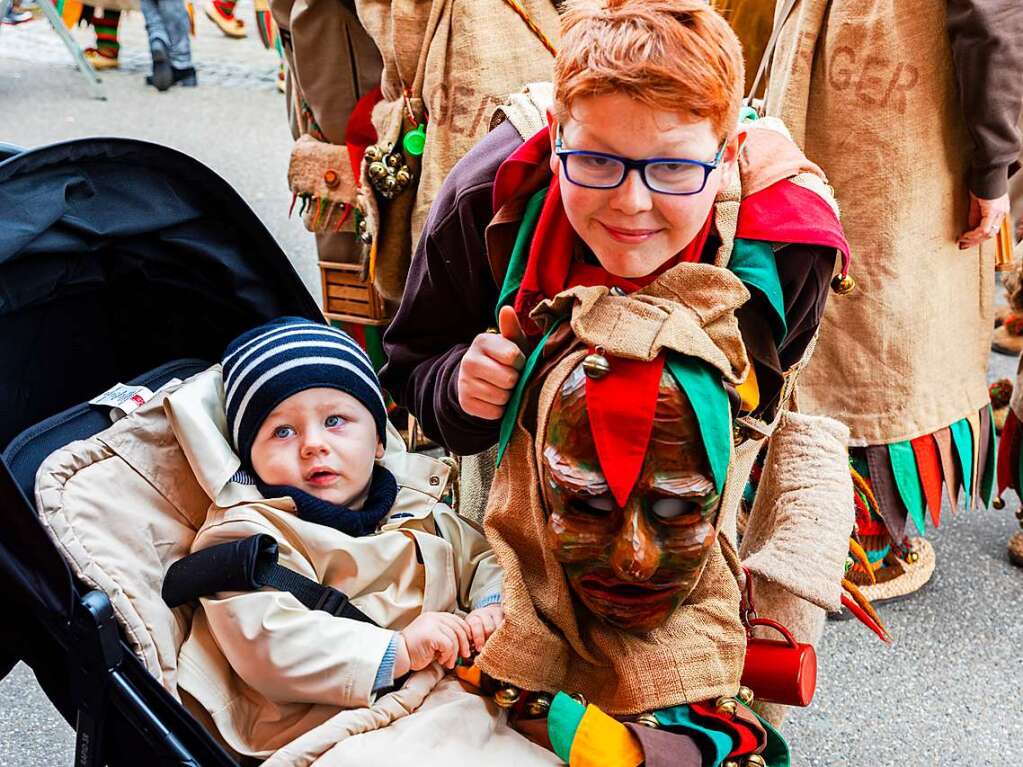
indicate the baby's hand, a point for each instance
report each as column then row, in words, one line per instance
column 483, row 622
column 441, row 637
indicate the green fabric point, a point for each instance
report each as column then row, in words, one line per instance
column 681, row 717
column 776, row 752
column 563, row 720
column 907, row 479
column 753, row 262
column 512, row 411
column 987, row 482
column 520, row 252
column 702, row 385
column 963, row 439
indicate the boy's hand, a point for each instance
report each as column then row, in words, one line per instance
column 483, row 622
column 490, row 368
column 441, row 637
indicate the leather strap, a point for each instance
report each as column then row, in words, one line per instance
column 765, row 60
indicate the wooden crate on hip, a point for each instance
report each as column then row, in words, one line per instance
column 349, row 298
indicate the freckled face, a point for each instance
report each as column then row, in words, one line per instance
column 631, row 230
column 629, row 566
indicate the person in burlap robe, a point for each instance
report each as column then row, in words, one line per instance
column 890, row 98
column 394, row 67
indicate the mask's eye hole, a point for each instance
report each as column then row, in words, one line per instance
column 670, row 508
column 597, row 506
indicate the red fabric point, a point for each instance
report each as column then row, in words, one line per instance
column 621, row 408
column 360, row 133
column 743, row 736
column 928, row 466
column 1008, row 453
column 787, row 212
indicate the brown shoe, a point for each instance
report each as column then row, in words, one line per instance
column 100, row 60
column 229, row 25
column 900, row 578
column 1005, row 342
column 1016, row 549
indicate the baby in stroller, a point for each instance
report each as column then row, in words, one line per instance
column 306, row 416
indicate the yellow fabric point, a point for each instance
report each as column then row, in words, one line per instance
column 602, row 741
column 373, row 260
column 749, row 392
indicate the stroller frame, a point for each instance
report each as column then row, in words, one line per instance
column 180, row 249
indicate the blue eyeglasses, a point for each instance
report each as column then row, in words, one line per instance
column 664, row 175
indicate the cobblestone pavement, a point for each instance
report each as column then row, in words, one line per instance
column 945, row 693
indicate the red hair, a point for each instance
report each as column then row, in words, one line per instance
column 672, row 55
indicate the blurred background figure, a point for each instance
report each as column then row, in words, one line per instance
column 17, row 14
column 912, row 111
column 168, row 25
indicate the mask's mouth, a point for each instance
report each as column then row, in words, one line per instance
column 607, row 587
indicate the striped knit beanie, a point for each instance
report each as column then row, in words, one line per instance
column 266, row 365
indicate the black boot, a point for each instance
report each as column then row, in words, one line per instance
column 185, row 77
column 163, row 75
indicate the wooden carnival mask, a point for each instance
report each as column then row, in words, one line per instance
column 630, row 560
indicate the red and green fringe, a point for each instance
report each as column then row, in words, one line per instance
column 1010, row 470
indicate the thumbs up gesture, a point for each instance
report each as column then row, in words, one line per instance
column 491, row 367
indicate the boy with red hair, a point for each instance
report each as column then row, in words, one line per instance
column 641, row 181
column 641, row 141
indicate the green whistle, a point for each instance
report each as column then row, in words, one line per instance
column 415, row 140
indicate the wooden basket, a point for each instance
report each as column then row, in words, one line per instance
column 348, row 298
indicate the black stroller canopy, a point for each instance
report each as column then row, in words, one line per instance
column 116, row 257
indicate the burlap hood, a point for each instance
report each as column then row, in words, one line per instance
column 547, row 642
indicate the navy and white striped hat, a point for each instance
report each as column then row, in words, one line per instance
column 266, row 365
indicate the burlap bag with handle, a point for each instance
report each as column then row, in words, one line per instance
column 904, row 354
column 458, row 62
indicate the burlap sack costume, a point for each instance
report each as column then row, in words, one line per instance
column 868, row 91
column 446, row 65
column 796, row 539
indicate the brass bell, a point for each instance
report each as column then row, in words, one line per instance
column 843, row 284
column 745, row 694
column 755, row 760
column 739, row 434
column 912, row 557
column 539, row 704
column 579, row 698
column 726, row 705
column 596, row 366
column 374, row 153
column 376, row 170
column 389, row 186
column 997, row 502
column 648, row 720
column 393, row 161
column 731, row 763
column 507, row 696
column 403, row 177
column 364, row 234
column 617, row 291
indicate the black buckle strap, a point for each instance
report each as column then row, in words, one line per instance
column 248, row 565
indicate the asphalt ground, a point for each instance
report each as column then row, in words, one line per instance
column 946, row 692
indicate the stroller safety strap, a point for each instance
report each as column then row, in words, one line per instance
column 248, row 565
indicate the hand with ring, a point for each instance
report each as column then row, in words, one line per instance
column 985, row 218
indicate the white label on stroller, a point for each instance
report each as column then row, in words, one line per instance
column 122, row 399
